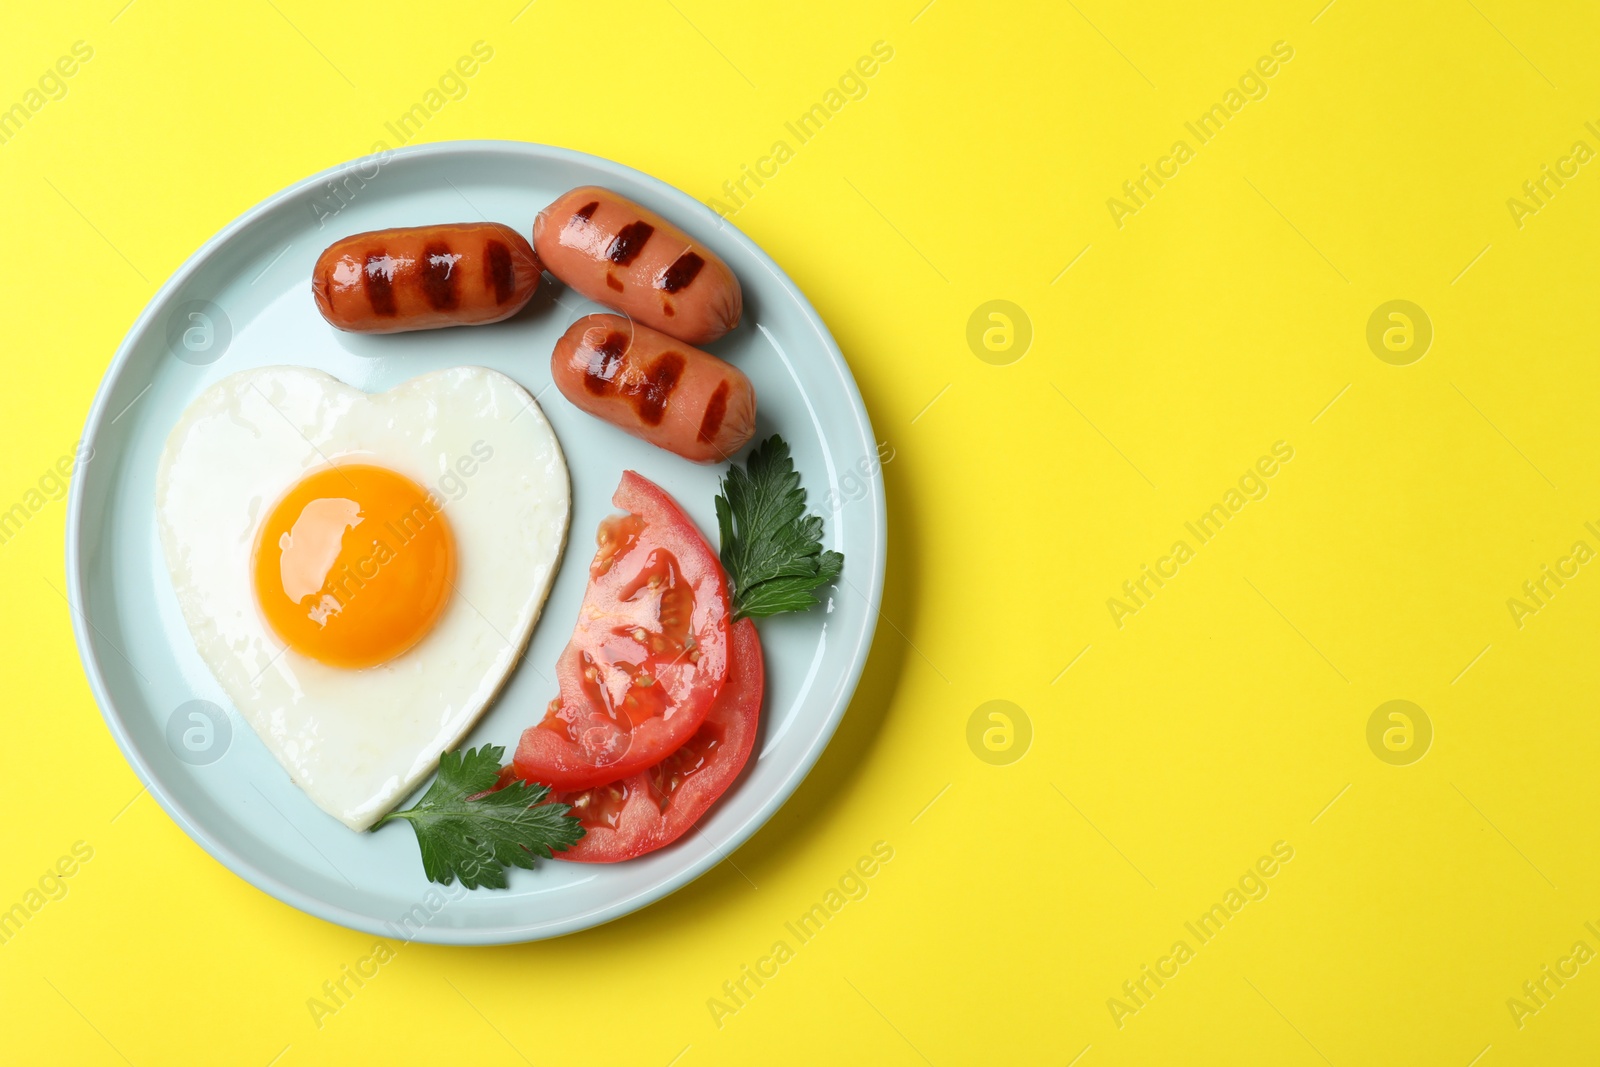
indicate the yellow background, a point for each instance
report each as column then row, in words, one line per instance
column 1228, row 714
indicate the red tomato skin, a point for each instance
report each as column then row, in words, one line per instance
column 548, row 755
column 642, row 826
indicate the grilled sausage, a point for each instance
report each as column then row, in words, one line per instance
column 658, row 389
column 628, row 258
column 424, row 277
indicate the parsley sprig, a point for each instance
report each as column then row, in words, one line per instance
column 771, row 549
column 466, row 832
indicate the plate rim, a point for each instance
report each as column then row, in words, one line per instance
column 264, row 880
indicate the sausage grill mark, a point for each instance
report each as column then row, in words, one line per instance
column 611, row 280
column 660, row 380
column 502, row 277
column 586, row 212
column 439, row 282
column 680, row 273
column 716, row 408
column 605, row 359
column 377, row 280
column 629, row 242
column 648, row 390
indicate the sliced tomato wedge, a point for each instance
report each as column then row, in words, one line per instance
column 654, row 807
column 648, row 656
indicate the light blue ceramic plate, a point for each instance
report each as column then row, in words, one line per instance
column 251, row 285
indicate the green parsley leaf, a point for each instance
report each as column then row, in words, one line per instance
column 474, row 837
column 771, row 549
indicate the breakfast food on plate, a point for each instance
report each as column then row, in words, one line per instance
column 649, row 653
column 424, row 277
column 627, row 257
column 663, row 391
column 657, row 805
column 361, row 573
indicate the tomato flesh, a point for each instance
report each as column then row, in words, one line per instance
column 657, row 805
column 649, row 654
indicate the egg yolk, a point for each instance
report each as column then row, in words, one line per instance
column 354, row 565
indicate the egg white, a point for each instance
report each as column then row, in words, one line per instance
column 357, row 741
